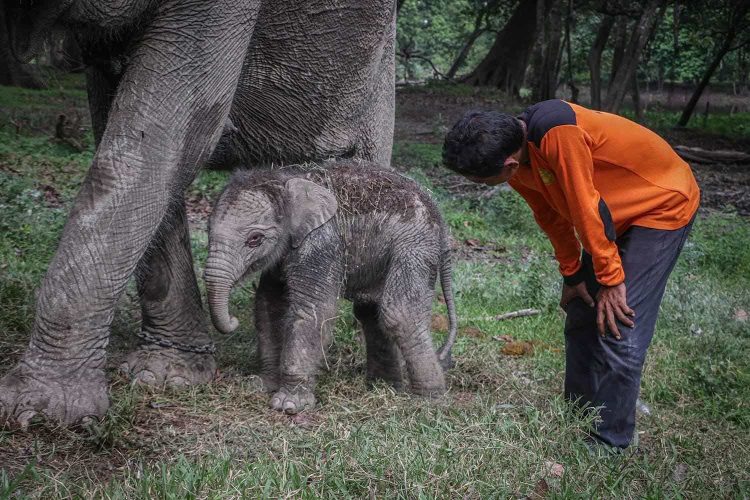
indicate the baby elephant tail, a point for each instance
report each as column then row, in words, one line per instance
column 446, row 281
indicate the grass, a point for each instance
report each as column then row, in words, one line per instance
column 502, row 431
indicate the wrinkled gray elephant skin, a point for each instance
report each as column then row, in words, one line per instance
column 316, row 234
column 173, row 84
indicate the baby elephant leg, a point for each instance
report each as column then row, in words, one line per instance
column 384, row 359
column 406, row 307
column 311, row 314
column 270, row 308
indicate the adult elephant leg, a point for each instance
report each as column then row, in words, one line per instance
column 376, row 139
column 176, row 349
column 383, row 356
column 406, row 306
column 172, row 102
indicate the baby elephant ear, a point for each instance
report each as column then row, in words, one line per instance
column 309, row 206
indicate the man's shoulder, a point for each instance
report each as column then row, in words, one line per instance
column 543, row 116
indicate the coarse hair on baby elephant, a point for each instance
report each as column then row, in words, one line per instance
column 347, row 229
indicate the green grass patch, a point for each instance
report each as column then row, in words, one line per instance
column 735, row 125
column 502, row 431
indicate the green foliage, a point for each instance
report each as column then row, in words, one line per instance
column 735, row 125
column 438, row 29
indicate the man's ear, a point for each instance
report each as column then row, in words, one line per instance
column 511, row 162
column 309, row 206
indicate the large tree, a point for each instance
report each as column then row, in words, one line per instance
column 731, row 27
column 505, row 64
column 625, row 67
column 547, row 52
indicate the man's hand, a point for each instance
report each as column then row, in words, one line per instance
column 611, row 304
column 571, row 292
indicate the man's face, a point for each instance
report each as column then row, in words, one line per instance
column 508, row 170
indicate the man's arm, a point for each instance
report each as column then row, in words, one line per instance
column 559, row 231
column 568, row 154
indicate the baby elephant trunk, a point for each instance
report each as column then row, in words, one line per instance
column 219, row 283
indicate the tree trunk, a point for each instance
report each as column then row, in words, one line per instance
column 12, row 72
column 545, row 64
column 504, row 66
column 638, row 109
column 618, row 49
column 736, row 23
column 461, row 57
column 569, row 53
column 594, row 60
column 690, row 106
column 644, row 29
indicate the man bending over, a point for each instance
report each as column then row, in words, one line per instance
column 600, row 183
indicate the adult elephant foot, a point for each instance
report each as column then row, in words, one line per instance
column 168, row 367
column 68, row 399
column 177, row 350
column 292, row 401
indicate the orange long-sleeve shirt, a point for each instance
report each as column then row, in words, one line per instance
column 595, row 174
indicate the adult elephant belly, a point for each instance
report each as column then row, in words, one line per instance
column 317, row 82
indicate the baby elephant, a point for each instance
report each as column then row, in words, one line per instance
column 350, row 229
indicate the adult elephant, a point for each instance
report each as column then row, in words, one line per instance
column 269, row 81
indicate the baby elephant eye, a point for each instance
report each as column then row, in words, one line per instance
column 254, row 240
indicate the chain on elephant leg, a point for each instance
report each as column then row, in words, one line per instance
column 175, row 348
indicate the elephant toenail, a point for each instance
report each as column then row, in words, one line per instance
column 146, row 376
column 178, row 382
column 24, row 418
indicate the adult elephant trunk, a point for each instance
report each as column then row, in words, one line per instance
column 219, row 282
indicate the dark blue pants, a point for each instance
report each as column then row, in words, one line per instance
column 605, row 373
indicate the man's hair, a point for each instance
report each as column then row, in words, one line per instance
column 480, row 142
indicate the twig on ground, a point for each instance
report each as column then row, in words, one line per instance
column 517, row 314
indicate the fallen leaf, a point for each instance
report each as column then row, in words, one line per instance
column 518, row 348
column 439, row 323
column 472, row 331
column 467, row 223
column 554, row 469
column 540, row 490
column 740, row 315
column 472, row 242
column 503, row 338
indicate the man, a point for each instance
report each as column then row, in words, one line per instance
column 601, row 182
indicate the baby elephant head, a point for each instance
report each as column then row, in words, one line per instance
column 252, row 228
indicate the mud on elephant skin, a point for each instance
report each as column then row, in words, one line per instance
column 347, row 229
column 297, row 81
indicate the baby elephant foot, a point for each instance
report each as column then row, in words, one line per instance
column 293, row 401
column 161, row 366
column 67, row 399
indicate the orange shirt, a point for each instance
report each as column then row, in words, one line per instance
column 595, row 174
